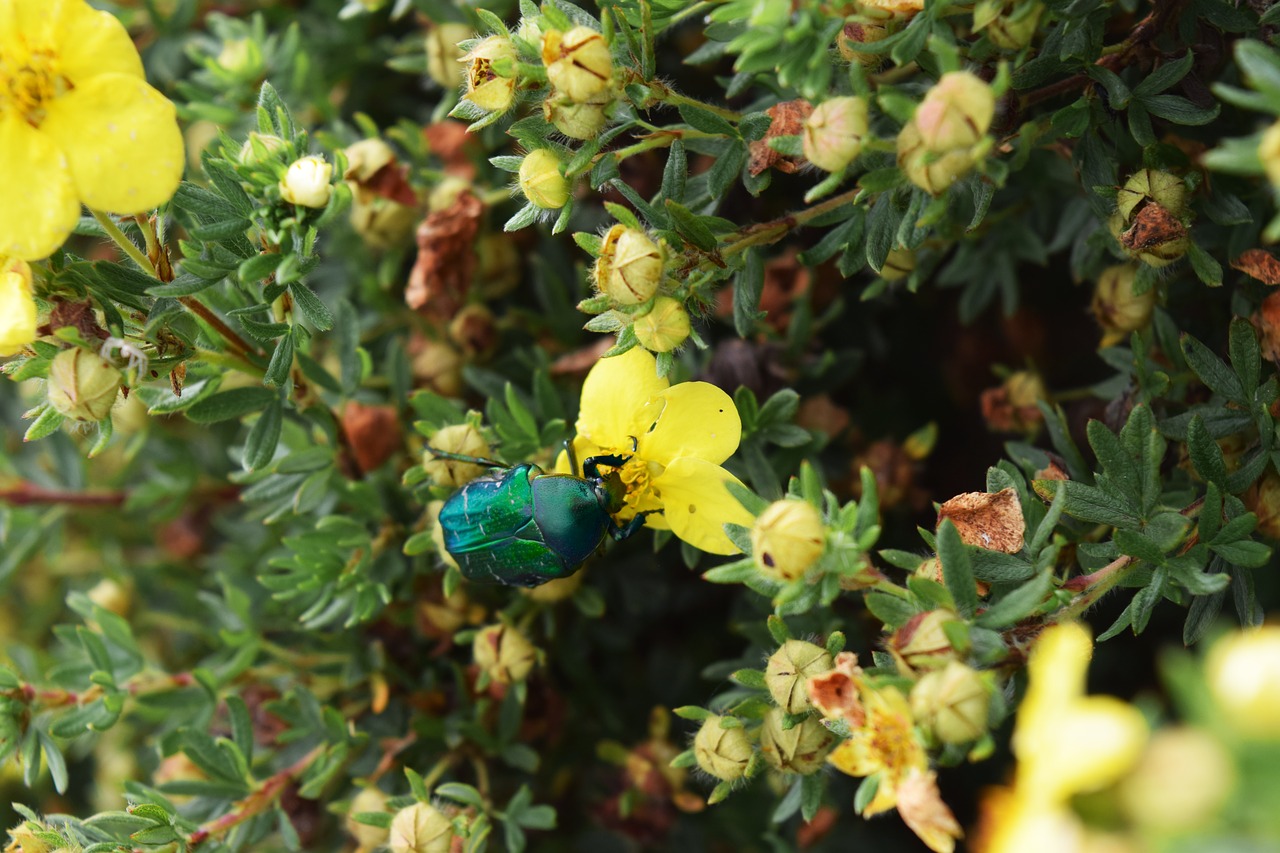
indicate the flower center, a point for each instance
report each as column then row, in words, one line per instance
column 28, row 87
column 637, row 476
column 890, row 741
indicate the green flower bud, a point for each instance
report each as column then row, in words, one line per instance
column 1269, row 153
column 366, row 835
column 956, row 113
column 503, row 653
column 579, row 64
column 486, row 88
column 723, row 753
column 242, row 57
column 82, row 386
column 953, row 702
column 270, row 144
column 788, row 672
column 1115, row 306
column 799, row 749
column 629, row 269
column 464, row 439
column 420, row 828
column 307, row 183
column 443, row 54
column 899, row 264
column 930, row 171
column 834, row 131
column 1010, row 24
column 663, row 327
column 541, row 181
column 577, row 120
column 787, row 539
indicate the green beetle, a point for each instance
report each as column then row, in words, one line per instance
column 521, row 526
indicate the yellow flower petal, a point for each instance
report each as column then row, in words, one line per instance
column 89, row 42
column 697, row 504
column 614, row 397
column 1093, row 743
column 41, row 206
column 122, row 143
column 17, row 310
column 698, row 419
column 1056, row 673
column 853, row 757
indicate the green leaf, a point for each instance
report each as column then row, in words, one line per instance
column 692, row 227
column 230, row 404
column 706, row 121
column 1246, row 358
column 1205, row 454
column 264, row 435
column 312, row 309
column 1205, row 266
column 1165, row 76
column 1211, row 370
column 1088, row 503
column 1260, row 65
column 747, row 288
column 957, row 571
column 1019, row 603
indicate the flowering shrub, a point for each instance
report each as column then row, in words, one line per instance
column 851, row 381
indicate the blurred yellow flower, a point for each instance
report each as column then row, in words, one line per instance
column 674, row 438
column 78, row 123
column 1066, row 743
column 17, row 307
column 1243, row 671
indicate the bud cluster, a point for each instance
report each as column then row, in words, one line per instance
column 948, row 134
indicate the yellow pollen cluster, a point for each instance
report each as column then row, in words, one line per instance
column 890, row 738
column 27, row 88
column 637, row 476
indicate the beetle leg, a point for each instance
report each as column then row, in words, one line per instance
column 619, row 533
column 459, row 457
column 573, row 457
column 590, row 467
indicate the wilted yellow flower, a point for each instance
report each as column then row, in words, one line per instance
column 886, row 743
column 503, row 653
column 78, row 124
column 674, row 438
column 1118, row 309
column 486, row 87
column 17, row 306
column 923, row 811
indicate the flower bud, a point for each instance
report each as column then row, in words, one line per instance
column 503, row 653
column 242, row 57
column 17, row 306
column 1012, row 407
column 444, row 55
column 1148, row 220
column 787, row 539
column 420, row 828
column 579, row 64
column 899, row 264
column 1152, row 185
column 723, row 753
column 1010, row 24
column 956, row 113
column 1115, row 306
column 82, row 386
column 922, row 644
column 554, row 590
column 1269, row 153
column 268, row 142
column 486, row 87
column 307, row 182
column 367, row 835
column 834, row 131
column 1243, row 673
column 856, row 33
column 953, row 702
column 629, row 269
column 366, row 158
column 788, row 672
column 664, row 327
column 459, row 438
column 799, row 749
column 541, row 181
column 930, row 171
column 577, row 120
column 113, row 596
column 1162, row 795
column 474, row 330
column 438, row 367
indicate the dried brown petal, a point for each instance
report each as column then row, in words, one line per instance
column 373, row 432
column 1154, row 225
column 991, row 521
column 788, row 120
column 1260, row 264
column 447, row 260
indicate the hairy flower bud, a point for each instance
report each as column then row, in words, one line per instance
column 307, row 183
column 799, row 749
column 541, row 181
column 82, row 386
column 577, row 120
column 367, row 835
column 17, row 306
column 579, row 64
column 922, row 643
column 1118, row 310
column 663, row 327
column 491, row 84
column 723, row 753
column 930, row 171
column 1243, row 673
column 788, row 672
column 463, row 439
column 629, row 269
column 438, row 366
column 443, row 54
column 267, row 145
column 953, row 702
column 787, row 539
column 503, row 653
column 420, row 828
column 856, row 33
column 956, row 113
column 834, row 131
column 1269, row 153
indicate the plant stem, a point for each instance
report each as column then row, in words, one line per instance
column 126, row 245
column 261, row 799
column 237, row 343
column 770, row 232
column 1094, row 586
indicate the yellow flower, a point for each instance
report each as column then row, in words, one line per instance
column 1066, row 743
column 885, row 743
column 17, row 307
column 1243, row 671
column 78, row 123
column 680, row 434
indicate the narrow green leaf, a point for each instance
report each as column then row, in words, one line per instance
column 957, row 571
